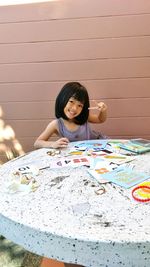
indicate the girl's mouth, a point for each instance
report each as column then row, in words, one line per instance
column 71, row 115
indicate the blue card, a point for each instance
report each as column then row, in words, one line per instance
column 95, row 145
column 125, row 177
column 135, row 147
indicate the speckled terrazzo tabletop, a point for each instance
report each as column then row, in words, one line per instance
column 66, row 220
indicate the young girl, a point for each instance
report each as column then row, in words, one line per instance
column 72, row 124
column 72, row 110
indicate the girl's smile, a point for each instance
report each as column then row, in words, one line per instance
column 73, row 108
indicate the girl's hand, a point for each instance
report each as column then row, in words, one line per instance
column 102, row 106
column 62, row 142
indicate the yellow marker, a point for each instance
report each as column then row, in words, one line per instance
column 114, row 157
column 76, row 153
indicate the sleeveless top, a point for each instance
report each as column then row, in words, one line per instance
column 84, row 132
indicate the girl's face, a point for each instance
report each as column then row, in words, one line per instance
column 73, row 108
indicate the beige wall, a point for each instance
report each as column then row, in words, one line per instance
column 104, row 44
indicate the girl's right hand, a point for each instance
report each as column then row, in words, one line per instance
column 62, row 142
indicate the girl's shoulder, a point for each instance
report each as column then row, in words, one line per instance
column 52, row 127
column 53, row 123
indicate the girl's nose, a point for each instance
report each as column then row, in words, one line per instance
column 74, row 107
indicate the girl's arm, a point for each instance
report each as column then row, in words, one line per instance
column 99, row 117
column 43, row 140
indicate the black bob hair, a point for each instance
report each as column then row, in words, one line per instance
column 78, row 92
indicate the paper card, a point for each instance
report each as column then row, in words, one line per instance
column 14, row 187
column 26, row 169
column 99, row 153
column 89, row 152
column 95, row 145
column 141, row 141
column 125, row 177
column 118, row 158
column 22, row 180
column 134, row 147
column 71, row 162
column 99, row 167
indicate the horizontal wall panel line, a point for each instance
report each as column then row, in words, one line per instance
column 74, row 60
column 51, row 101
column 45, row 101
column 83, row 81
column 79, row 80
column 81, row 38
column 70, row 18
column 87, row 49
column 75, row 39
column 83, row 70
column 104, row 87
column 80, row 61
column 75, row 18
column 75, row 29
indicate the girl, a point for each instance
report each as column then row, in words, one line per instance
column 72, row 113
column 73, row 116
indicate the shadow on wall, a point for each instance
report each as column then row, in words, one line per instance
column 9, row 145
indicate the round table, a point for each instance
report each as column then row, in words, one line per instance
column 66, row 219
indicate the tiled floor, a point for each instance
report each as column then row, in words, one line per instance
column 51, row 263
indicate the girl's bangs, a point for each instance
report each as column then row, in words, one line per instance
column 79, row 96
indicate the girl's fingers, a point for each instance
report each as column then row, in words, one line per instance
column 99, row 106
column 93, row 107
column 63, row 142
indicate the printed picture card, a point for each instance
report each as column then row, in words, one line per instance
column 118, row 158
column 134, row 147
column 71, row 162
column 95, row 145
column 99, row 167
column 125, row 177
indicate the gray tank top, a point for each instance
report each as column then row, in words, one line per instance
column 84, row 132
